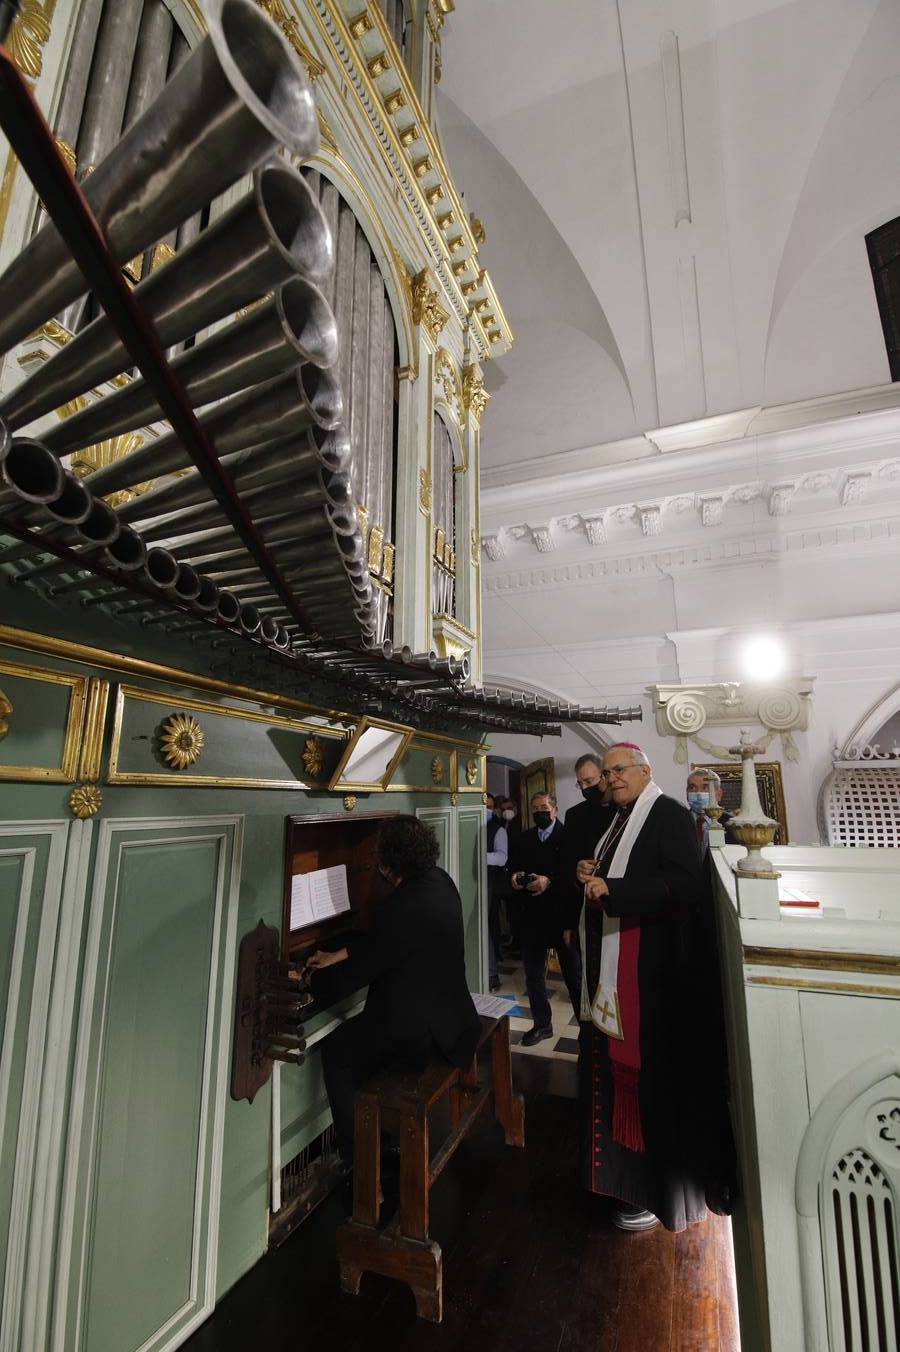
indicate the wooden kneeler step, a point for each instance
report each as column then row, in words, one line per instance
column 403, row 1249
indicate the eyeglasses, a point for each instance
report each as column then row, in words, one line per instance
column 617, row 770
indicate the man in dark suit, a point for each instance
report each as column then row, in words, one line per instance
column 534, row 869
column 412, row 959
column 585, row 824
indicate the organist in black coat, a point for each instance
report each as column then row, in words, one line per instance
column 535, row 863
column 412, row 959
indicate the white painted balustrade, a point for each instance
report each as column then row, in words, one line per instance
column 813, row 1010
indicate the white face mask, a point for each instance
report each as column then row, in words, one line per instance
column 508, row 814
column 488, row 812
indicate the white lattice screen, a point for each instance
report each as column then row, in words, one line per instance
column 862, row 806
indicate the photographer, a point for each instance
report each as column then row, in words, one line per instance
column 534, row 868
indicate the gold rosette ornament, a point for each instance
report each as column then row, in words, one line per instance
column 85, row 800
column 181, row 741
column 5, row 711
column 312, row 757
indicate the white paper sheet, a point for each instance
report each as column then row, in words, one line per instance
column 493, row 1006
column 319, row 895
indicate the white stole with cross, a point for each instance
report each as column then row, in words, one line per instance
column 603, row 1007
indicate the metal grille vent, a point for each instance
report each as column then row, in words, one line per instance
column 861, row 1251
column 862, row 807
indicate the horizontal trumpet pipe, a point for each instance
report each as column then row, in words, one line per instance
column 328, row 451
column 258, row 244
column 285, row 406
column 27, row 469
column 297, row 505
column 240, row 95
column 296, row 325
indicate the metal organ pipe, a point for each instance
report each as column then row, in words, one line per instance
column 281, row 407
column 274, row 233
column 107, row 91
column 239, row 96
column 295, row 326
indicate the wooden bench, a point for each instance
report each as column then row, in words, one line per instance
column 401, row 1102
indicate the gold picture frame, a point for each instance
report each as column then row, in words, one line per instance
column 768, row 782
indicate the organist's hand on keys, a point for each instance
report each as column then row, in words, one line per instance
column 323, row 958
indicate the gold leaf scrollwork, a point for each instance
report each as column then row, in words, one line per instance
column 426, row 310
column 476, row 546
column 5, row 711
column 68, row 155
column 446, row 376
column 312, row 757
column 424, row 491
column 471, row 771
column 376, row 549
column 105, row 453
column 277, row 10
column 437, row 770
column 54, row 333
column 181, row 740
column 349, row 802
column 28, row 37
column 474, row 395
column 85, row 800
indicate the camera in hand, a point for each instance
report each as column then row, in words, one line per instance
column 528, row 879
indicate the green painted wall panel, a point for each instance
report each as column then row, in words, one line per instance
column 165, row 898
column 470, row 889
column 37, row 724
column 25, row 869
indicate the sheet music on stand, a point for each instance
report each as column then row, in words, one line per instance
column 319, row 895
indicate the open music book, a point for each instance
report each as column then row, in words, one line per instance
column 319, row 895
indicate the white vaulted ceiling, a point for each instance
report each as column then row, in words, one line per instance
column 676, row 195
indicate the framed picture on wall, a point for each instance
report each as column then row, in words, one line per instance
column 768, row 782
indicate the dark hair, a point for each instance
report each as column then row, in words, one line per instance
column 407, row 846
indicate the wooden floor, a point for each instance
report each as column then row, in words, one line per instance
column 529, row 1265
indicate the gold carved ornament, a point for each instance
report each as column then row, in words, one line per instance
column 277, row 10
column 29, row 35
column 476, row 546
column 447, row 378
column 471, row 771
column 312, row 757
column 85, row 800
column 424, row 491
column 181, row 740
column 349, row 802
column 105, row 453
column 5, row 711
column 425, row 309
column 437, row 770
column 474, row 395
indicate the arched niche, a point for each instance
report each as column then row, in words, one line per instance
column 847, row 1191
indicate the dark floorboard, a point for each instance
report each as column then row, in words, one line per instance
column 530, row 1264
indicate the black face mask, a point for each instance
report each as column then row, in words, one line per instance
column 591, row 793
column 542, row 820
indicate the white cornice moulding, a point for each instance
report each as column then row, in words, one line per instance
column 747, row 549
column 736, row 443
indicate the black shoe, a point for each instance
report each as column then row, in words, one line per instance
column 536, row 1035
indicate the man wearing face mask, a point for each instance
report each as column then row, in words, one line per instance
column 534, row 867
column 704, row 789
column 412, row 958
